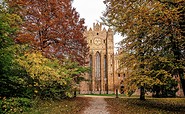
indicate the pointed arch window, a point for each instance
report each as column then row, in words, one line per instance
column 90, row 72
column 90, row 65
column 105, row 67
column 98, row 66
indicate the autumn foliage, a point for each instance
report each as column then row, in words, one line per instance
column 153, row 49
column 52, row 27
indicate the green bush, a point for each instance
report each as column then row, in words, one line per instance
column 51, row 79
column 14, row 105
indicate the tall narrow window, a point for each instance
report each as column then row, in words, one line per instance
column 98, row 72
column 90, row 73
column 105, row 67
column 98, row 65
column 105, row 74
column 90, row 65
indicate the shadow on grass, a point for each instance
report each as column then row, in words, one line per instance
column 149, row 106
column 166, row 104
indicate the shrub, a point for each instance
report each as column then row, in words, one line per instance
column 14, row 105
column 51, row 78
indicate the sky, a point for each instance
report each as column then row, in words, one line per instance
column 91, row 11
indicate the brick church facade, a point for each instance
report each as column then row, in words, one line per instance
column 102, row 79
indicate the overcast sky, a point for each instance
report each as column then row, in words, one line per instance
column 92, row 10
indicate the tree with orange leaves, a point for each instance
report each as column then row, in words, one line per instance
column 52, row 27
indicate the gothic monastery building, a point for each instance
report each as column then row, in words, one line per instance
column 102, row 78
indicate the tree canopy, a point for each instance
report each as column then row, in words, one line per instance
column 154, row 42
column 53, row 27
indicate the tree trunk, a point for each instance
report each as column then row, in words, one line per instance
column 75, row 93
column 181, row 75
column 178, row 56
column 116, row 93
column 158, row 89
column 142, row 93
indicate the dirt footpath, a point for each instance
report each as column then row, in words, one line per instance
column 97, row 106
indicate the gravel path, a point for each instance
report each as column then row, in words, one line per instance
column 97, row 106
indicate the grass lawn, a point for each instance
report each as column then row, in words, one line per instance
column 149, row 106
column 67, row 106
